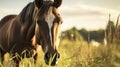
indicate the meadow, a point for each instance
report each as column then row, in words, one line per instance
column 76, row 54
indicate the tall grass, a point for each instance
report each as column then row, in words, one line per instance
column 77, row 54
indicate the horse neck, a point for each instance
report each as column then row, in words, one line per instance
column 26, row 18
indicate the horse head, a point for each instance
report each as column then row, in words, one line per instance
column 47, row 29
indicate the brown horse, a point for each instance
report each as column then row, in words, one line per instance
column 39, row 20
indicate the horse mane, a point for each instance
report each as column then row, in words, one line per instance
column 27, row 13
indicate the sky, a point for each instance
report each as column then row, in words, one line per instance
column 88, row 14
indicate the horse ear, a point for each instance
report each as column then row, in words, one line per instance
column 38, row 3
column 57, row 3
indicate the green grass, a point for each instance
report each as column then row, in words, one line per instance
column 76, row 54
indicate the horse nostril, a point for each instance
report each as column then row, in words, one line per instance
column 47, row 56
column 54, row 60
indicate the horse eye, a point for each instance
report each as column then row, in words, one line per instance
column 58, row 14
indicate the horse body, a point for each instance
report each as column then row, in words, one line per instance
column 4, row 30
column 16, row 32
column 39, row 19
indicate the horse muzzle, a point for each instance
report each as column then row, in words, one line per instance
column 51, row 59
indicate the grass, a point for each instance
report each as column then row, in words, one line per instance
column 76, row 54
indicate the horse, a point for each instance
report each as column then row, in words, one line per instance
column 38, row 23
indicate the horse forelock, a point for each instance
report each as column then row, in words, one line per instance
column 45, row 7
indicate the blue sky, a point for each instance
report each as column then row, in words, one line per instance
column 89, row 14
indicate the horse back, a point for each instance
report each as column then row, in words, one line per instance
column 6, row 19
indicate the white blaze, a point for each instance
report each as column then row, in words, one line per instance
column 49, row 19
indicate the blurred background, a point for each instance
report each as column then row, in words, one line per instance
column 90, row 31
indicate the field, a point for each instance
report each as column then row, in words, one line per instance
column 76, row 54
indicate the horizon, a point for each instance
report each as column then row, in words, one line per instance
column 87, row 14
